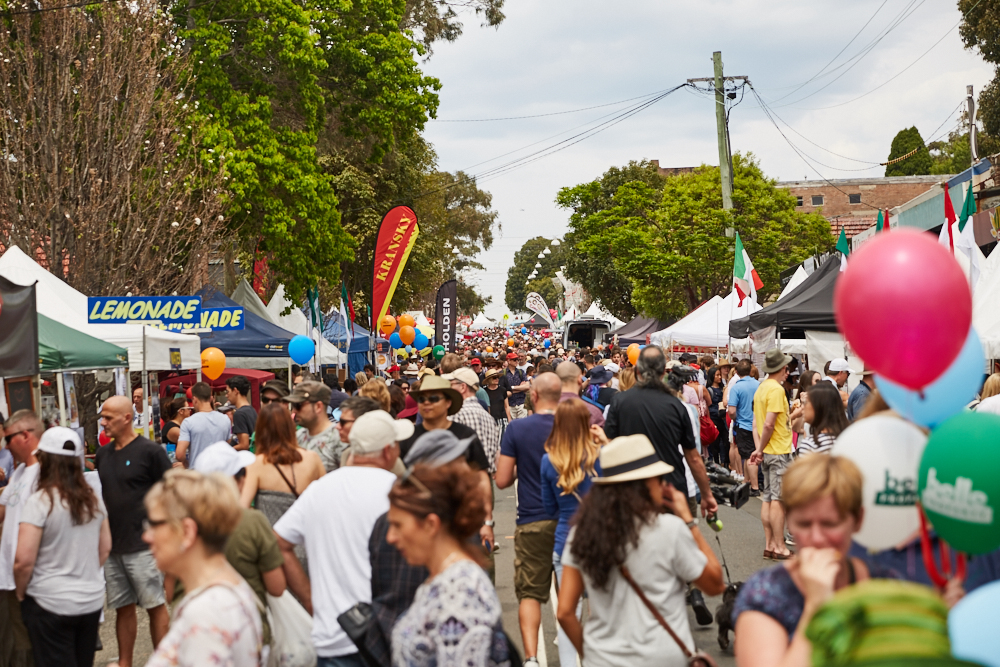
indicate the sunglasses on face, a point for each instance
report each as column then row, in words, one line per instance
column 264, row 400
column 432, row 399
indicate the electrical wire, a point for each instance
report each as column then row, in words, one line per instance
column 15, row 12
column 543, row 115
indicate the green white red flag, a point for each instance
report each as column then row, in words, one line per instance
column 746, row 282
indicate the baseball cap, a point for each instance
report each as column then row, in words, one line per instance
column 840, row 365
column 309, row 391
column 377, row 429
column 60, row 441
column 512, row 355
column 221, row 457
column 613, row 367
column 475, row 362
column 466, row 375
column 276, row 386
column 225, row 407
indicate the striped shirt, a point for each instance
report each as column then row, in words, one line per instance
column 821, row 443
column 480, row 421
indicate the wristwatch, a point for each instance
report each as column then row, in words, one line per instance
column 489, row 523
column 692, row 523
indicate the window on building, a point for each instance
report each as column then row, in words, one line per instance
column 798, row 201
column 817, row 200
column 854, row 199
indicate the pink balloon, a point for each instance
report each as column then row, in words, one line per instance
column 905, row 307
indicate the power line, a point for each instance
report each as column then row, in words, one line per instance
column 542, row 115
column 13, row 12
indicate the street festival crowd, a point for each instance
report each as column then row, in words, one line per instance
column 352, row 525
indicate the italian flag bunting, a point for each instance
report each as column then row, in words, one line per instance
column 746, row 282
column 946, row 237
column 965, row 239
column 886, row 228
column 844, row 248
column 880, row 226
column 347, row 299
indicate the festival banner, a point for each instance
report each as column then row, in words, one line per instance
column 536, row 304
column 396, row 237
column 444, row 315
column 19, row 327
column 123, row 309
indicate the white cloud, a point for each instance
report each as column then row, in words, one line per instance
column 564, row 54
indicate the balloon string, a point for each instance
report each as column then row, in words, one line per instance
column 936, row 576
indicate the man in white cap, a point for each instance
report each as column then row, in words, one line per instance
column 837, row 372
column 333, row 519
column 252, row 549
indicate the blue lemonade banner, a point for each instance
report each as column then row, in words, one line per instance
column 223, row 319
column 176, row 310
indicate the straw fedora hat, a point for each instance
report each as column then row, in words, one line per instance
column 439, row 384
column 630, row 457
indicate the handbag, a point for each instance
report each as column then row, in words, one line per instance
column 357, row 622
column 709, row 431
column 291, row 633
column 696, row 659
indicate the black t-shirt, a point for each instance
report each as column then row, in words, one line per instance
column 475, row 454
column 126, row 475
column 659, row 416
column 497, row 397
column 605, row 395
column 166, row 430
column 244, row 420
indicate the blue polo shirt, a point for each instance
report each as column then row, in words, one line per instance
column 741, row 397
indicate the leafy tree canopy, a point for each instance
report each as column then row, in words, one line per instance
column 903, row 143
column 524, row 263
column 434, row 20
column 670, row 243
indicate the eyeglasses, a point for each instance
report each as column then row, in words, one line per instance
column 346, row 422
column 296, row 406
column 265, row 400
column 432, row 399
column 10, row 438
column 150, row 524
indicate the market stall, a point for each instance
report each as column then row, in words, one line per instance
column 362, row 343
column 184, row 382
column 707, row 326
column 637, row 330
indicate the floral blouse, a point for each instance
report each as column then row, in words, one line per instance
column 454, row 621
column 218, row 624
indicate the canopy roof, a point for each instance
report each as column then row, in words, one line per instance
column 246, row 297
column 600, row 314
column 708, row 324
column 985, row 313
column 335, row 331
column 258, row 338
column 636, row 330
column 482, row 322
column 295, row 321
column 807, row 307
column 62, row 348
column 797, row 278
column 60, row 302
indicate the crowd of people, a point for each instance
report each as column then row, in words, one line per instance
column 368, row 508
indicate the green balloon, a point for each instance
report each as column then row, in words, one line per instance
column 439, row 352
column 958, row 482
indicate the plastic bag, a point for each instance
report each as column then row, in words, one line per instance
column 291, row 633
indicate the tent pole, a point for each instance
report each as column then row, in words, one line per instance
column 61, row 389
column 145, row 387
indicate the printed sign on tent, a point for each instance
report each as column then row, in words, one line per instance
column 536, row 304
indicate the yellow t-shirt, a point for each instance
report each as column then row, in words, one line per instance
column 770, row 397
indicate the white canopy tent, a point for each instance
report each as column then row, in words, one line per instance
column 985, row 301
column 62, row 303
column 481, row 322
column 707, row 325
column 796, row 280
column 599, row 313
column 296, row 322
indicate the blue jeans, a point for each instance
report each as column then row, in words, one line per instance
column 567, row 652
column 350, row 660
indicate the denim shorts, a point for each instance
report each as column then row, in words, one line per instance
column 133, row 579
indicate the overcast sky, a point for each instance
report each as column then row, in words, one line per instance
column 559, row 55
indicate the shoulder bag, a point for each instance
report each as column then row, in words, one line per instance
column 696, row 659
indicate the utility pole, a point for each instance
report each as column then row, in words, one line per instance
column 972, row 126
column 722, row 128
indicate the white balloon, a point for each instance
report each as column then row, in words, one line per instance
column 887, row 450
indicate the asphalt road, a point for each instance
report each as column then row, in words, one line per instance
column 742, row 540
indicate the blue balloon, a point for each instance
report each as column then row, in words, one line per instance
column 420, row 341
column 301, row 349
column 972, row 626
column 524, row 330
column 944, row 397
column 396, row 341
column 547, row 344
column 409, row 349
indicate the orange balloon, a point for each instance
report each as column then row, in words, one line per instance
column 489, row 348
column 510, row 342
column 213, row 362
column 407, row 333
column 387, row 325
column 406, row 321
column 633, row 353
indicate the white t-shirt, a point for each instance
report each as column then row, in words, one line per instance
column 203, row 429
column 14, row 496
column 990, row 405
column 620, row 629
column 333, row 519
column 68, row 578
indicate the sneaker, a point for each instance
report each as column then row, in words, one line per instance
column 790, row 541
column 530, row 661
column 697, row 602
column 754, row 493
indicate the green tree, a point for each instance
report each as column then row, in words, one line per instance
column 524, row 264
column 268, row 78
column 905, row 142
column 671, row 244
column 435, row 20
column 470, row 301
column 593, row 204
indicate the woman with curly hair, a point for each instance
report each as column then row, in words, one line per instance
column 622, row 544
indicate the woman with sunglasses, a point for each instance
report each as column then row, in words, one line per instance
column 622, row 544
column 454, row 620
column 175, row 411
column 190, row 518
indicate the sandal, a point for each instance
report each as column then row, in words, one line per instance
column 777, row 556
column 768, row 555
